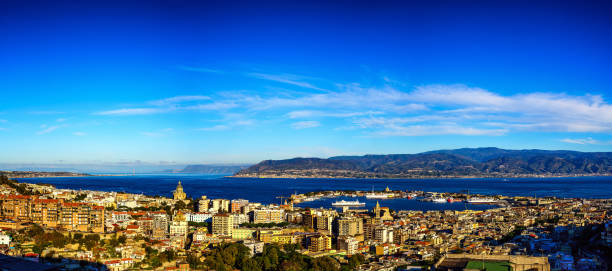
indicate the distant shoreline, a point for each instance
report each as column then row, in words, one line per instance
column 420, row 178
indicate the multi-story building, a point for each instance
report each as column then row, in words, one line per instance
column 199, row 217
column 15, row 207
column 237, row 205
column 348, row 243
column 324, row 223
column 222, row 224
column 318, row 243
column 383, row 235
column 350, row 226
column 45, row 212
column 268, row 216
column 239, row 219
column 220, row 205
column 54, row 213
column 160, row 225
column 242, row 233
column 203, row 204
column 179, row 226
column 146, row 225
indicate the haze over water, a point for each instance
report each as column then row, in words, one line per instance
column 266, row 190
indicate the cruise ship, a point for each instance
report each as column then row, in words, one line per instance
column 481, row 200
column 379, row 195
column 344, row 203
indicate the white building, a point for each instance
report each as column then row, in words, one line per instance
column 5, row 239
column 199, row 217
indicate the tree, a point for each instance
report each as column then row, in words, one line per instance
column 194, row 261
column 354, row 262
column 122, row 239
column 324, row 263
column 179, row 205
column 251, row 265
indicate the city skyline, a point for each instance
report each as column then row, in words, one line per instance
column 95, row 83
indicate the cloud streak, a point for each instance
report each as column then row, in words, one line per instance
column 586, row 141
column 285, row 78
column 388, row 111
column 49, row 129
column 305, row 124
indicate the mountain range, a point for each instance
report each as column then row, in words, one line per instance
column 466, row 162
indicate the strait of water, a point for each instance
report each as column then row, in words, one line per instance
column 266, row 190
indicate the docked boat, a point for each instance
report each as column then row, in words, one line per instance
column 481, row 200
column 411, row 196
column 379, row 195
column 439, row 200
column 351, row 203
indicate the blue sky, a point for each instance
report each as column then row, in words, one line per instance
column 216, row 82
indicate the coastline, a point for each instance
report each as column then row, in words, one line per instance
column 539, row 176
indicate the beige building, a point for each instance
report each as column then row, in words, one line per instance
column 350, row 226
column 53, row 213
column 179, row 225
column 349, row 244
column 319, row 243
column 222, row 224
column 268, row 216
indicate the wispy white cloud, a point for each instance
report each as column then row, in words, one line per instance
column 199, row 69
column 315, row 113
column 79, row 134
column 60, row 120
column 218, row 127
column 586, row 141
column 159, row 133
column 179, row 99
column 172, row 104
column 228, row 124
column 290, row 79
column 132, row 111
column 212, row 106
column 405, row 127
column 48, row 129
column 395, row 109
column 305, row 124
column 3, row 121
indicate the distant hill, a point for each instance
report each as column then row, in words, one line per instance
column 467, row 162
column 212, row 169
column 39, row 174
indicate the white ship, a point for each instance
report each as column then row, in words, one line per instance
column 379, row 195
column 344, row 203
column 439, row 200
column 481, row 200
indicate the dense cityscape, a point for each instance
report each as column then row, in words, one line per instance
column 462, row 135
column 94, row 230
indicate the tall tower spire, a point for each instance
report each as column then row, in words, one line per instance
column 377, row 210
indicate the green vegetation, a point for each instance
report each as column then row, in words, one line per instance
column 80, row 197
column 274, row 257
column 21, row 188
column 197, row 224
column 489, row 266
column 509, row 236
column 56, row 239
